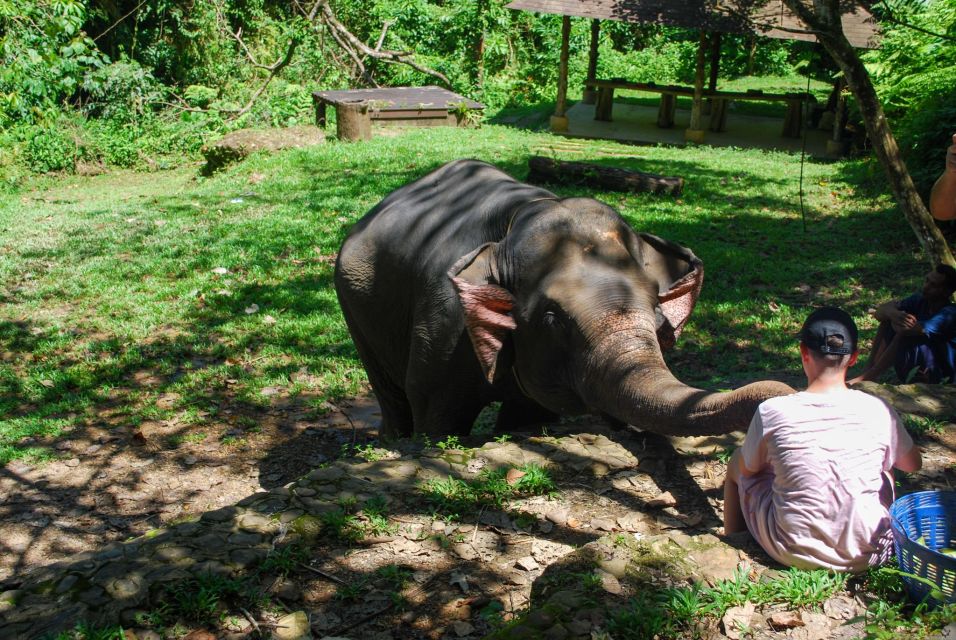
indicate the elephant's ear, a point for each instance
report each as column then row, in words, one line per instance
column 487, row 308
column 680, row 276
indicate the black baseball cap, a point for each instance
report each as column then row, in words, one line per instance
column 826, row 322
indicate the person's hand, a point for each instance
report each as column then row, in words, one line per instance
column 902, row 321
column 951, row 156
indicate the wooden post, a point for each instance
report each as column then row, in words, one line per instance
column 353, row 121
column 559, row 121
column 589, row 95
column 836, row 145
column 695, row 132
column 714, row 69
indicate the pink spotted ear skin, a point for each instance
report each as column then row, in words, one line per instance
column 677, row 303
column 487, row 319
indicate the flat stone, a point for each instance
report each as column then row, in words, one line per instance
column 326, row 474
column 293, row 626
column 609, row 582
column 220, row 515
column 246, row 557
column 527, row 563
column 785, row 619
column 67, row 583
column 129, row 588
column 557, row 516
column 245, row 539
column 737, row 619
column 462, row 628
column 256, row 523
column 665, row 499
column 602, row 524
column 617, row 567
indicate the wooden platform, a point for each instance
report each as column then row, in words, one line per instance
column 416, row 106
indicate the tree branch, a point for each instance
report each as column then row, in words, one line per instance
column 329, row 18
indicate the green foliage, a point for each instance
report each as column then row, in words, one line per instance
column 283, row 560
column 922, row 425
column 85, row 631
column 915, row 74
column 44, row 55
column 49, row 148
column 490, row 489
column 676, row 611
column 122, row 91
column 204, row 598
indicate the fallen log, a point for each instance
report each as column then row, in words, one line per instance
column 548, row 170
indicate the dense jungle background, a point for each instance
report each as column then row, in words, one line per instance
column 144, row 84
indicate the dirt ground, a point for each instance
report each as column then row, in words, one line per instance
column 112, row 485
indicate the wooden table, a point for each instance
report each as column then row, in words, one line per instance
column 792, row 124
column 421, row 106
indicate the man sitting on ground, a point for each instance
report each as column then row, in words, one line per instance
column 917, row 335
column 811, row 480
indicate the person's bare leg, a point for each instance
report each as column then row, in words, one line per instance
column 733, row 513
column 880, row 342
column 878, row 365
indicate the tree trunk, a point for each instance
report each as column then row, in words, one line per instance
column 547, row 170
column 824, row 19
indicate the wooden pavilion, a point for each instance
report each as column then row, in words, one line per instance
column 768, row 18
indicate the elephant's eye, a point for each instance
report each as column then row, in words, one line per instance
column 550, row 319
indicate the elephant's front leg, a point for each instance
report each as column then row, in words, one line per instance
column 446, row 394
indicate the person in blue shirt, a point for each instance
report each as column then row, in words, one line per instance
column 917, row 335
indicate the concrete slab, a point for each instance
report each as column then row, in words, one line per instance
column 638, row 124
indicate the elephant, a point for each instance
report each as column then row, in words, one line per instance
column 467, row 287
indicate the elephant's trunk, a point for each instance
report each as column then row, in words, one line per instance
column 629, row 380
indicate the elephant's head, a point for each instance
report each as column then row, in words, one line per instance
column 578, row 307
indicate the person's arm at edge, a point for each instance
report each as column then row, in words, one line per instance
column 942, row 199
column 911, row 461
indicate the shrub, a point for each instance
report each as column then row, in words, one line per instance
column 121, row 91
column 49, row 149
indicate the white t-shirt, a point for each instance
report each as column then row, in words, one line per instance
column 820, row 460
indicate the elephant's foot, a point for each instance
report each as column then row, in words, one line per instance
column 516, row 415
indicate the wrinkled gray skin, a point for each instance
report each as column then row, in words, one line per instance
column 466, row 287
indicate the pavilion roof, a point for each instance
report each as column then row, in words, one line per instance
column 771, row 18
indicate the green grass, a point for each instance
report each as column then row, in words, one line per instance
column 922, row 425
column 454, row 497
column 124, row 296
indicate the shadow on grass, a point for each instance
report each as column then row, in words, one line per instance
column 96, row 391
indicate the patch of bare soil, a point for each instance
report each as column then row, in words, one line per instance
column 464, row 575
column 113, row 483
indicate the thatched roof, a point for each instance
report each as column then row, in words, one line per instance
column 772, row 18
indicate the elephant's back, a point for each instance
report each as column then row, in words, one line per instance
column 421, row 229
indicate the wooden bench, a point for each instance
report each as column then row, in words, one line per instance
column 418, row 106
column 792, row 124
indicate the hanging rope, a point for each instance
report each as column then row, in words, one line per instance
column 803, row 154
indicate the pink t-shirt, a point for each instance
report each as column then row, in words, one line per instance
column 820, row 460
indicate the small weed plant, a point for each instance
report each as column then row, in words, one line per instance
column 490, row 489
column 920, row 426
column 891, row 615
column 84, row 631
column 346, row 525
column 450, row 443
column 367, row 452
column 391, row 578
column 283, row 560
column 677, row 612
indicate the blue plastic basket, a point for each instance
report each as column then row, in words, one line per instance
column 930, row 517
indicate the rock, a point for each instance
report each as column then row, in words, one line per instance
column 200, row 634
column 235, row 146
column 665, row 499
column 527, row 563
column 609, row 583
column 293, row 626
column 602, row 524
column 737, row 619
column 841, row 608
column 816, row 627
column 785, row 619
column 462, row 628
column 616, row 567
column 557, row 516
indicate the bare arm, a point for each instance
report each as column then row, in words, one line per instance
column 901, row 321
column 911, row 461
column 942, row 199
